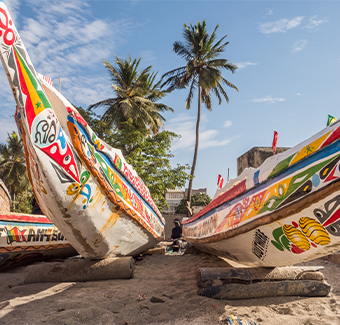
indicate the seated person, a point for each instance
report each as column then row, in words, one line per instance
column 176, row 234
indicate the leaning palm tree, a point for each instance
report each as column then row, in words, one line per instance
column 136, row 96
column 202, row 71
column 13, row 166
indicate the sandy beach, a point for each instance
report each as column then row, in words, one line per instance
column 163, row 291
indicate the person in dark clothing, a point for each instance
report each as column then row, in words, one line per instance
column 176, row 232
column 177, row 236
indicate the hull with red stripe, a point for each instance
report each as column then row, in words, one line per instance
column 285, row 212
column 26, row 238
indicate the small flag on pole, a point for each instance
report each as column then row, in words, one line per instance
column 331, row 120
column 220, row 181
column 275, row 141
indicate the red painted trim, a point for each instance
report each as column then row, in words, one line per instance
column 24, row 218
column 233, row 192
column 334, row 136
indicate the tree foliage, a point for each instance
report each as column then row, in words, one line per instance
column 23, row 202
column 202, row 72
column 13, row 165
column 136, row 96
column 199, row 199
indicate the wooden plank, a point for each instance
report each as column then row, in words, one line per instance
column 236, row 291
column 214, row 276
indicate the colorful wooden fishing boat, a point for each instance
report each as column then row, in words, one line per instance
column 28, row 238
column 284, row 212
column 82, row 184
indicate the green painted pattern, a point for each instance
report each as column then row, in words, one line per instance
column 293, row 185
column 282, row 165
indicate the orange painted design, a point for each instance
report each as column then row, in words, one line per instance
column 32, row 248
column 109, row 192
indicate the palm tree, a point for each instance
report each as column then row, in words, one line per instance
column 136, row 96
column 13, row 166
column 202, row 71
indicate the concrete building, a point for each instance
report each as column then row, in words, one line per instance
column 174, row 197
column 255, row 157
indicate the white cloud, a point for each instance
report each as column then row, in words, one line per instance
column 298, row 94
column 280, row 26
column 242, row 65
column 185, row 125
column 12, row 6
column 299, row 45
column 64, row 40
column 227, row 123
column 269, row 12
column 314, row 23
column 268, row 99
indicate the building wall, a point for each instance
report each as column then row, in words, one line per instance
column 174, row 197
column 255, row 157
column 198, row 191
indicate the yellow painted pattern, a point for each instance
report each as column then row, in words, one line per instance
column 253, row 209
column 310, row 148
column 296, row 237
column 36, row 101
column 314, row 231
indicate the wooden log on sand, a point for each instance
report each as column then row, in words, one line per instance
column 81, row 270
column 236, row 291
column 247, row 283
column 207, row 277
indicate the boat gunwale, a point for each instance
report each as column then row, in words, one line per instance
column 121, row 173
column 128, row 210
column 280, row 214
column 264, row 183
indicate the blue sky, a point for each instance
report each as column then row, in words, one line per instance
column 287, row 52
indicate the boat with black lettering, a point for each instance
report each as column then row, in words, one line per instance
column 285, row 212
column 28, row 238
column 84, row 186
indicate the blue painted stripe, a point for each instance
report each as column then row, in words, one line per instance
column 322, row 154
column 25, row 224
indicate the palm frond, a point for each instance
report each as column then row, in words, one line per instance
column 191, row 94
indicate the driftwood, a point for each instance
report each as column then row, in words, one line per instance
column 246, row 283
column 81, row 270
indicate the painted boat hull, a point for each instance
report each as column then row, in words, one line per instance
column 26, row 238
column 82, row 185
column 290, row 216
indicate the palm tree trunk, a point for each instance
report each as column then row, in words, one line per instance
column 195, row 152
